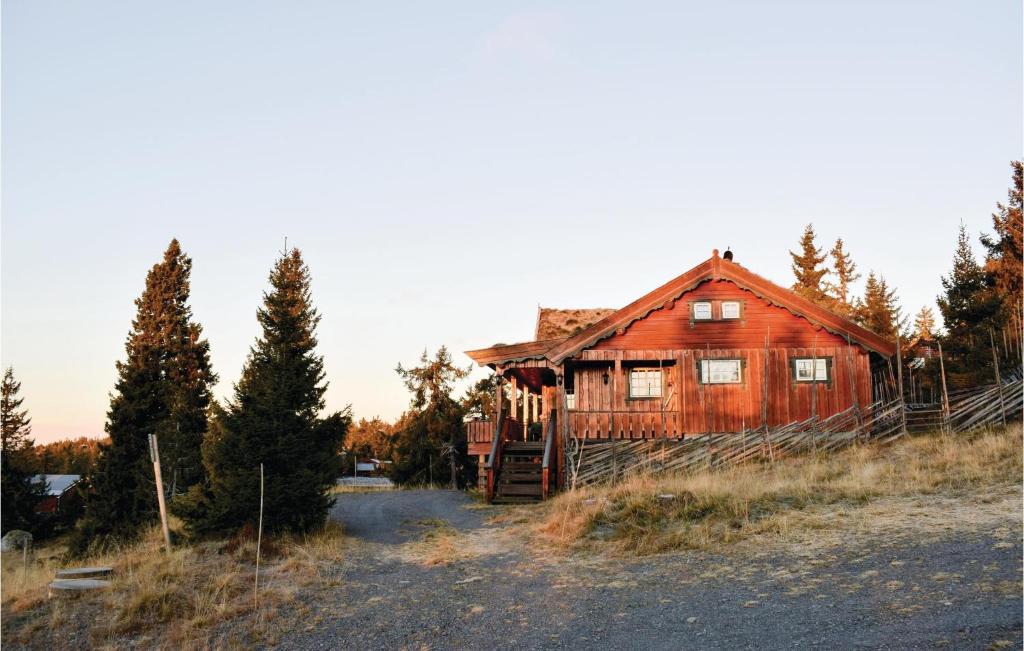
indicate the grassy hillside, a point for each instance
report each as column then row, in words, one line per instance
column 706, row 509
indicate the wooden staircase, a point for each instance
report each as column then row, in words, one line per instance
column 520, row 475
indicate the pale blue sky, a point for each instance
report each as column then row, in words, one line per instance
column 448, row 166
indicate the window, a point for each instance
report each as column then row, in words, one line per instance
column 702, row 311
column 645, row 383
column 570, row 401
column 730, row 309
column 720, row 371
column 802, row 370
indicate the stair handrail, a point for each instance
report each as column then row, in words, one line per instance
column 494, row 460
column 549, row 437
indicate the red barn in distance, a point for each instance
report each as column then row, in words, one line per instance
column 717, row 349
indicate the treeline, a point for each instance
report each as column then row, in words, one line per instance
column 68, row 456
column 980, row 303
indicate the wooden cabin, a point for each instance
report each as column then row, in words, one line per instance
column 718, row 349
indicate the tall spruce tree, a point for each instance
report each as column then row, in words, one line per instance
column 19, row 490
column 163, row 387
column 432, row 434
column 273, row 419
column 1005, row 250
column 969, row 308
column 808, row 269
column 879, row 310
column 845, row 271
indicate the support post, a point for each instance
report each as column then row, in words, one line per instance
column 154, row 454
column 945, row 393
column 999, row 382
column 899, row 381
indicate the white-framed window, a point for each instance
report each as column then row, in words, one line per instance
column 730, row 309
column 645, row 383
column 802, row 369
column 702, row 311
column 570, row 401
column 721, row 371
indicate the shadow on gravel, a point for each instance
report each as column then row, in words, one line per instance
column 395, row 517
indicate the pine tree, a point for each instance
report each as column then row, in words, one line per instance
column 19, row 490
column 162, row 388
column 924, row 323
column 969, row 308
column 807, row 268
column 273, row 419
column 433, row 432
column 1005, row 249
column 845, row 271
column 879, row 310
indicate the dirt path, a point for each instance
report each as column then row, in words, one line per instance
column 937, row 584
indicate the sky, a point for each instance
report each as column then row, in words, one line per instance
column 447, row 167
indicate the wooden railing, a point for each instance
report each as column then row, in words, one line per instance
column 549, row 458
column 493, row 464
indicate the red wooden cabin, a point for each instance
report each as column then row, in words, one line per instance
column 717, row 349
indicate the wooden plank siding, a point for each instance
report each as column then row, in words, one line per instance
column 688, row 407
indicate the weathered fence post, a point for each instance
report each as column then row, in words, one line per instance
column 999, row 383
column 154, row 455
column 899, row 375
column 945, row 394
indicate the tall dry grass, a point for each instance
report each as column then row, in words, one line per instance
column 176, row 597
column 645, row 514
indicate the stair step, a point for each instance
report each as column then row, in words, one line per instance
column 519, row 466
column 515, row 500
column 520, row 489
column 520, row 481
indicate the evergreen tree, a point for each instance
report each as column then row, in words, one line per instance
column 924, row 323
column 1005, row 249
column 273, row 419
column 19, row 491
column 479, row 399
column 163, row 388
column 433, row 430
column 969, row 308
column 879, row 310
column 845, row 271
column 808, row 269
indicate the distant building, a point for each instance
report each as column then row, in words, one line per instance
column 61, row 491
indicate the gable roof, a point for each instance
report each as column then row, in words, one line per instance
column 554, row 323
column 714, row 268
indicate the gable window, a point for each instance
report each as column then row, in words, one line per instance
column 721, row 371
column 702, row 311
column 802, row 370
column 730, row 309
column 645, row 383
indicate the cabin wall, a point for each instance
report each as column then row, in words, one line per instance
column 689, row 407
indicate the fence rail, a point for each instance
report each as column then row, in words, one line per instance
column 592, row 461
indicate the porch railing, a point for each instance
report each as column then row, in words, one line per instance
column 493, row 464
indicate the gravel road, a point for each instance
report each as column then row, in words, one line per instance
column 394, row 517
column 958, row 590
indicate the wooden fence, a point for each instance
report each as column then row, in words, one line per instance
column 591, row 461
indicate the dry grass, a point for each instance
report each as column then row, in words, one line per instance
column 707, row 509
column 177, row 598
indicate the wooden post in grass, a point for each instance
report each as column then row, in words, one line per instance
column 945, row 393
column 899, row 374
column 154, row 455
column 999, row 383
column 259, row 541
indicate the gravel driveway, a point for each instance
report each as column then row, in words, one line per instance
column 394, row 517
column 957, row 590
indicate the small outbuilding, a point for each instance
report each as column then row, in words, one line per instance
column 60, row 492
